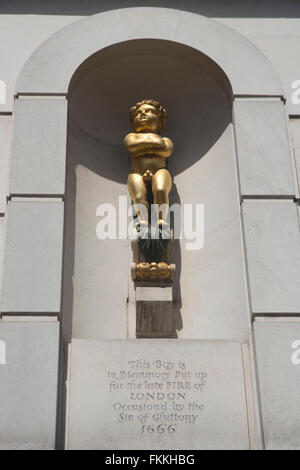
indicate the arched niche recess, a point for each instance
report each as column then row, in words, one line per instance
column 82, row 62
column 198, row 97
column 50, row 67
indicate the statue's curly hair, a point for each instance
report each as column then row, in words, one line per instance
column 162, row 112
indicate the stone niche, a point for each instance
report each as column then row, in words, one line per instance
column 209, row 295
column 208, row 318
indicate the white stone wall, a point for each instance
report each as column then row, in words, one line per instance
column 266, row 138
column 273, row 26
column 23, row 29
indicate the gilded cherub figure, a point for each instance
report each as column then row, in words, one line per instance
column 148, row 152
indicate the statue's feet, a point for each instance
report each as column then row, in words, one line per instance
column 142, row 225
column 143, row 229
column 163, row 225
column 161, row 230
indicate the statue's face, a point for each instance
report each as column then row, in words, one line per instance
column 146, row 119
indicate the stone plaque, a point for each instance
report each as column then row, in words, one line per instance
column 156, row 394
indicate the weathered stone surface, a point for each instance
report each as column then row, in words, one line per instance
column 263, row 152
column 278, row 363
column 28, row 384
column 154, row 312
column 33, row 257
column 273, row 255
column 156, row 394
column 39, row 146
column 154, row 319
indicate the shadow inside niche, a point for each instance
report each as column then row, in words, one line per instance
column 98, row 164
column 196, row 94
column 177, row 302
column 190, row 85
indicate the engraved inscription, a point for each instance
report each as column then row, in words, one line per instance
column 159, row 395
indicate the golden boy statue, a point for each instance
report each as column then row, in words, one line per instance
column 148, row 152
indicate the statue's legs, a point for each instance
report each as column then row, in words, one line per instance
column 161, row 186
column 138, row 193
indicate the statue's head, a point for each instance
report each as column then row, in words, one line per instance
column 148, row 116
